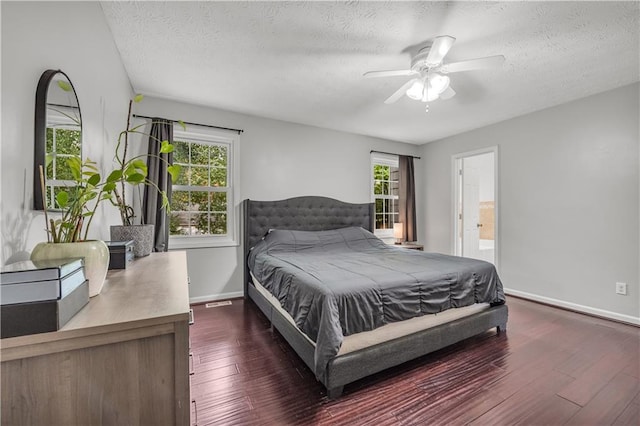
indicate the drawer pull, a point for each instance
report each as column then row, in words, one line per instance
column 195, row 412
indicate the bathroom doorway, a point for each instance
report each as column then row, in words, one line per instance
column 475, row 204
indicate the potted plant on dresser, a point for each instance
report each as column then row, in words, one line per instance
column 133, row 172
column 67, row 231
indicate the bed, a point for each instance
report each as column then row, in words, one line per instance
column 338, row 347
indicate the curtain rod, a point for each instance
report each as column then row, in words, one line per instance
column 193, row 124
column 390, row 153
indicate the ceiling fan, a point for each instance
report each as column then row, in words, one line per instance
column 430, row 80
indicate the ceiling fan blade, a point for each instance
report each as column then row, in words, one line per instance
column 489, row 62
column 439, row 49
column 401, row 91
column 390, row 73
column 448, row 93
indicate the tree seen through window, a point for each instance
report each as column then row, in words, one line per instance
column 199, row 202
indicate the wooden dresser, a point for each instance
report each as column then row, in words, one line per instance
column 121, row 360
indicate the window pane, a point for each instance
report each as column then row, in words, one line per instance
column 380, row 172
column 67, row 141
column 199, row 175
column 377, row 187
column 204, row 166
column 199, row 224
column 218, row 176
column 183, row 177
column 180, row 200
column 379, row 221
column 177, row 223
column 394, row 188
column 385, row 188
column 62, row 171
column 199, row 154
column 218, row 223
column 199, row 201
column 386, row 224
column 180, row 152
column 218, row 156
column 392, row 206
column 219, row 202
column 180, row 223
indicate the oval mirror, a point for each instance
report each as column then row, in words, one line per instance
column 58, row 136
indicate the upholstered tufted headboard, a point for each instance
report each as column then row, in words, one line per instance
column 300, row 213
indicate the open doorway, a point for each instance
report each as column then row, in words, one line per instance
column 475, row 204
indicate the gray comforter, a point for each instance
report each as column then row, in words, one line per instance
column 344, row 281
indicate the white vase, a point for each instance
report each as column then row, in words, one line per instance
column 141, row 235
column 95, row 254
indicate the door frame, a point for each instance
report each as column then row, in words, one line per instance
column 455, row 213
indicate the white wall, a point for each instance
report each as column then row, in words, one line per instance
column 73, row 37
column 569, row 201
column 277, row 160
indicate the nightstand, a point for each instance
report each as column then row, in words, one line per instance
column 412, row 246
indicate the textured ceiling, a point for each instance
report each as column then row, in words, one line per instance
column 303, row 61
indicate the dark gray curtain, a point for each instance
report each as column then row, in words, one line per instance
column 407, row 196
column 152, row 212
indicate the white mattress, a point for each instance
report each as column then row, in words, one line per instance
column 387, row 332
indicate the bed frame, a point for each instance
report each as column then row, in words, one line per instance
column 321, row 213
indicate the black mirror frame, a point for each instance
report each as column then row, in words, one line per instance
column 40, row 130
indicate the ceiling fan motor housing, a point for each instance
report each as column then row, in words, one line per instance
column 419, row 62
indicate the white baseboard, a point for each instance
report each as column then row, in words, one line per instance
column 574, row 307
column 214, row 297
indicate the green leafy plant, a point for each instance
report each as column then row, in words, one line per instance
column 77, row 203
column 133, row 171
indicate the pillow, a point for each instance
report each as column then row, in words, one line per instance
column 281, row 240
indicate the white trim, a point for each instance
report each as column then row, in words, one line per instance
column 574, row 306
column 455, row 158
column 182, row 242
column 385, row 159
column 390, row 160
column 215, row 297
column 201, row 134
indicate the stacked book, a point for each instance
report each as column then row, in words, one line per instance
column 41, row 296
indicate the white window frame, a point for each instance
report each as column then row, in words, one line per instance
column 201, row 134
column 385, row 160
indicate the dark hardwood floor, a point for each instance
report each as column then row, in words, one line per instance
column 552, row 367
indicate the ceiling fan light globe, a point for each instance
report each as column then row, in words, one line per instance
column 438, row 83
column 416, row 90
column 430, row 96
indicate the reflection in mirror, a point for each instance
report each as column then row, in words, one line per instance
column 58, row 135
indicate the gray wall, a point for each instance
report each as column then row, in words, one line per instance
column 73, row 37
column 568, row 200
column 569, row 192
column 278, row 160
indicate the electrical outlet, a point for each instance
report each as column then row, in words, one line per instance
column 621, row 288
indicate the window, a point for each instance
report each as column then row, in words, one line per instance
column 203, row 199
column 63, row 140
column 385, row 192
